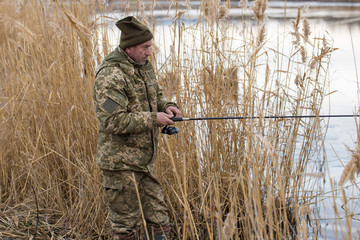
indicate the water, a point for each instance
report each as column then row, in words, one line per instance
column 341, row 132
column 343, row 25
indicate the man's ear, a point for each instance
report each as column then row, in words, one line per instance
column 128, row 51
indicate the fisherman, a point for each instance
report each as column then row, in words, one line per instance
column 130, row 107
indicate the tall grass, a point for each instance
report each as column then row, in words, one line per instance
column 48, row 130
column 248, row 179
column 244, row 179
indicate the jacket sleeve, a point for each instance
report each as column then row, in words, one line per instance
column 111, row 103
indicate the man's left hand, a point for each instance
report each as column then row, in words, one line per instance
column 174, row 111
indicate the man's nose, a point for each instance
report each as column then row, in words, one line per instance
column 148, row 52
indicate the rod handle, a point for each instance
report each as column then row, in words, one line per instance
column 176, row 119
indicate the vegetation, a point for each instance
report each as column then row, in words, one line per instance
column 248, row 179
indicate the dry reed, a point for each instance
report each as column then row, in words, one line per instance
column 351, row 168
column 223, row 180
column 242, row 3
column 48, row 135
column 259, row 8
column 229, row 164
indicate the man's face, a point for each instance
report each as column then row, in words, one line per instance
column 140, row 53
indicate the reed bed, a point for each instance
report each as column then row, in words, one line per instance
column 49, row 180
column 248, row 179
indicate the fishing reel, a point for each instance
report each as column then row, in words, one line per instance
column 170, row 130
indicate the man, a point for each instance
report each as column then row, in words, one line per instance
column 130, row 107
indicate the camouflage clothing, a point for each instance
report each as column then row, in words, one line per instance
column 121, row 196
column 127, row 98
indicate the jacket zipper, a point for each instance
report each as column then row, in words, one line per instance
column 149, row 102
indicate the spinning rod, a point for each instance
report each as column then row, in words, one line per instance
column 174, row 130
column 177, row 119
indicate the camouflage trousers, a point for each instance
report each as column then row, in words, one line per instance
column 123, row 189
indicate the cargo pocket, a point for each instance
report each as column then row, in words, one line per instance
column 120, row 194
column 114, row 190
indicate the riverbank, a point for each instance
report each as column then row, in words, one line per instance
column 347, row 11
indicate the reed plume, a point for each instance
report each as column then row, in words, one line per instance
column 243, row 3
column 259, row 8
column 351, row 168
column 213, row 10
column 205, row 7
column 223, row 12
column 261, row 35
column 296, row 33
column 303, row 54
column 306, row 30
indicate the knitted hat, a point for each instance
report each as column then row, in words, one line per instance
column 133, row 32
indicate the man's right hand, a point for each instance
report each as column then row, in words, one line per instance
column 163, row 119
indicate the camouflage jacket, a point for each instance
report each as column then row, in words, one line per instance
column 127, row 98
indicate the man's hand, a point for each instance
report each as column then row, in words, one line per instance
column 163, row 119
column 174, row 111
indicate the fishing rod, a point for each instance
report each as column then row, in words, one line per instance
column 174, row 130
column 266, row 117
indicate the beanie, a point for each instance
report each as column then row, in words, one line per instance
column 133, row 32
